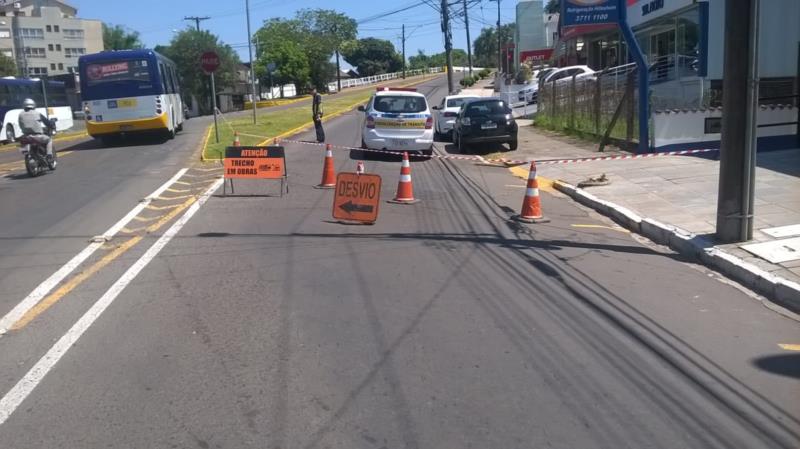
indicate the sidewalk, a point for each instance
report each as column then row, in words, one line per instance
column 680, row 192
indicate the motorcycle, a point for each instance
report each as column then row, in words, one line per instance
column 35, row 152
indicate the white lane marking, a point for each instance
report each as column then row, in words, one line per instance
column 50, row 283
column 32, row 378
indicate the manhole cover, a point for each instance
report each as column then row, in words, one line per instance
column 779, row 251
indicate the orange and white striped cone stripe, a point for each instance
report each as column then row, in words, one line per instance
column 405, row 189
column 531, row 205
column 236, row 142
column 360, row 168
column 328, row 171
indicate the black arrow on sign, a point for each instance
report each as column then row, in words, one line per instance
column 351, row 207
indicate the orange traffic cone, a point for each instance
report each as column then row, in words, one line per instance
column 360, row 168
column 236, row 142
column 328, row 171
column 531, row 206
column 405, row 190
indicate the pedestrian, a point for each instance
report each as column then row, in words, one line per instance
column 316, row 112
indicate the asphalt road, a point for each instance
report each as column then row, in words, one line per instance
column 265, row 324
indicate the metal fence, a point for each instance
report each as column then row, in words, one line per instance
column 378, row 78
column 588, row 104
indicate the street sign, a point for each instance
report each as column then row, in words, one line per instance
column 255, row 162
column 209, row 61
column 357, row 197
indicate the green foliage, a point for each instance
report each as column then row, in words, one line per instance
column 312, row 35
column 186, row 48
column 524, row 74
column 484, row 73
column 421, row 60
column 553, row 6
column 468, row 81
column 118, row 38
column 485, row 45
column 7, row 66
column 372, row 56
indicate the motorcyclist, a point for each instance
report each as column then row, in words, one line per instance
column 33, row 125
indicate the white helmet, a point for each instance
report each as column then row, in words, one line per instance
column 29, row 104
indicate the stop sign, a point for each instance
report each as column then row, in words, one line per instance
column 209, row 61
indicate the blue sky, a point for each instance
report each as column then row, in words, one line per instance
column 156, row 19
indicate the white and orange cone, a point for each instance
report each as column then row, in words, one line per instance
column 405, row 189
column 531, row 205
column 328, row 171
column 236, row 142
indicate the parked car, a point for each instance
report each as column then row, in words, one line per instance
column 485, row 120
column 447, row 111
column 567, row 72
column 528, row 94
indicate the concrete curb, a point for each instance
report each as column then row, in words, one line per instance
column 781, row 291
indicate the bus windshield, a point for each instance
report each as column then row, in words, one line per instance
column 105, row 72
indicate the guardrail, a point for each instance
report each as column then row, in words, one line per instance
column 382, row 77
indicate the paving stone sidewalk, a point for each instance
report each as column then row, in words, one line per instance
column 678, row 190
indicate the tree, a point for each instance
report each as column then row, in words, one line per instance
column 485, row 45
column 372, row 56
column 421, row 60
column 7, row 66
column 186, row 48
column 118, row 38
column 553, row 6
column 291, row 64
column 317, row 33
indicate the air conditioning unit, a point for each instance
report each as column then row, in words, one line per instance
column 17, row 5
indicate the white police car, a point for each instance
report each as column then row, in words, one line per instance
column 398, row 120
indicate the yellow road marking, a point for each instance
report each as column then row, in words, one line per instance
column 178, row 190
column 613, row 228
column 154, row 227
column 128, row 230
column 146, row 219
column 57, row 295
column 183, row 183
column 207, row 169
column 521, row 186
column 789, row 347
column 172, row 198
column 18, row 165
column 545, row 184
column 171, row 206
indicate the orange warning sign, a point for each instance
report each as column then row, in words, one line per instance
column 255, row 162
column 357, row 197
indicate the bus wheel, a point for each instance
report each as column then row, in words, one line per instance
column 10, row 137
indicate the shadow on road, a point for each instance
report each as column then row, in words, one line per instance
column 787, row 365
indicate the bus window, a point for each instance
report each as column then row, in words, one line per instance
column 175, row 79
column 171, row 79
column 163, row 78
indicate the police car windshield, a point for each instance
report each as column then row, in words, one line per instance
column 400, row 103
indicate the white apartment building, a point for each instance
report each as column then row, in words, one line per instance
column 44, row 37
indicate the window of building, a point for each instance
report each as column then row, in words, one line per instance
column 73, row 52
column 60, row 66
column 5, row 33
column 31, row 33
column 58, row 47
column 33, row 52
column 56, row 28
column 2, row 13
column 20, row 13
column 37, row 70
column 73, row 34
column 52, row 66
column 50, row 47
column 49, row 28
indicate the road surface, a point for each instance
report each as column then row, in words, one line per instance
column 257, row 321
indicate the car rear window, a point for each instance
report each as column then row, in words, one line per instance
column 457, row 102
column 400, row 104
column 486, row 108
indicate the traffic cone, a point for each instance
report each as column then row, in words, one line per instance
column 531, row 205
column 360, row 168
column 405, row 189
column 236, row 142
column 328, row 171
column 275, row 141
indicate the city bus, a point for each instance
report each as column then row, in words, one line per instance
column 130, row 91
column 13, row 91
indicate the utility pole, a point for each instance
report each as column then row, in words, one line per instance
column 499, row 40
column 338, row 69
column 469, row 42
column 404, row 51
column 739, row 122
column 250, row 51
column 448, row 46
column 196, row 20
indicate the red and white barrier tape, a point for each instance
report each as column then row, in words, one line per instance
column 518, row 162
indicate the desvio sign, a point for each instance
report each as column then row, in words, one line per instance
column 589, row 12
